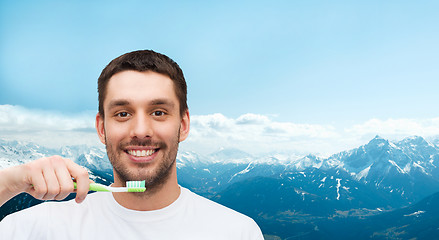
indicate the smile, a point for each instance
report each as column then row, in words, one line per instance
column 141, row 153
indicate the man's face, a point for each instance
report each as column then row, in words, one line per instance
column 142, row 127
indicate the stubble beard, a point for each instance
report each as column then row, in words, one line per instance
column 154, row 178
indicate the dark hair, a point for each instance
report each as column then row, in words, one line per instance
column 142, row 61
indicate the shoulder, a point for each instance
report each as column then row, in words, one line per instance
column 220, row 216
column 211, row 207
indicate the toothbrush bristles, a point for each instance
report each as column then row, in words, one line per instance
column 136, row 186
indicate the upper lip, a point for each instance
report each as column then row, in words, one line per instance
column 140, row 148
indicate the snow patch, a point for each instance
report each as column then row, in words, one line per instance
column 338, row 188
column 416, row 165
column 363, row 173
column 416, row 214
column 397, row 167
column 393, row 145
column 408, row 167
column 246, row 170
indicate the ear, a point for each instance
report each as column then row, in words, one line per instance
column 100, row 128
column 184, row 126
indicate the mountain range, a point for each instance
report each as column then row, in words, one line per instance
column 381, row 190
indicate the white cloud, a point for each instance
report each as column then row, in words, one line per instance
column 22, row 119
column 258, row 133
column 396, row 128
column 47, row 128
column 251, row 118
column 254, row 133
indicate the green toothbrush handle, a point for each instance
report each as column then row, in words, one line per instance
column 95, row 187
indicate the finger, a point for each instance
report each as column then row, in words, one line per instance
column 82, row 180
column 53, row 187
column 65, row 181
column 39, row 188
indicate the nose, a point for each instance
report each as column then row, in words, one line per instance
column 141, row 127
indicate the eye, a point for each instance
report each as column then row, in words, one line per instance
column 158, row 113
column 122, row 114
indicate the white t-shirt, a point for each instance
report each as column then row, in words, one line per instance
column 101, row 217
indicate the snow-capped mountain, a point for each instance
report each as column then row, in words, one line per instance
column 14, row 153
column 410, row 154
column 93, row 158
column 405, row 170
column 408, row 168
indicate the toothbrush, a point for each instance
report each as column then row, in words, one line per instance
column 131, row 186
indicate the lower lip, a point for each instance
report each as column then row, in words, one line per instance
column 146, row 159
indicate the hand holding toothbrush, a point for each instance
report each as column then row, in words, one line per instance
column 45, row 179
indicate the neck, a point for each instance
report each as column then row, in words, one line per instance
column 148, row 201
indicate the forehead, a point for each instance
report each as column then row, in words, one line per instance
column 140, row 87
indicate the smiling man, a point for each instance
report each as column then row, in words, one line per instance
column 143, row 116
column 141, row 125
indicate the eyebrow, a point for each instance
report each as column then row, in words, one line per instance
column 118, row 103
column 162, row 101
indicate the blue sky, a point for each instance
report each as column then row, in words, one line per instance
column 336, row 65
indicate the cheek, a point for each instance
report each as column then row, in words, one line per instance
column 115, row 132
column 167, row 131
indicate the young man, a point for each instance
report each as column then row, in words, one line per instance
column 143, row 116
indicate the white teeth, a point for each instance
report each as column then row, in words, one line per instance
column 141, row 153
